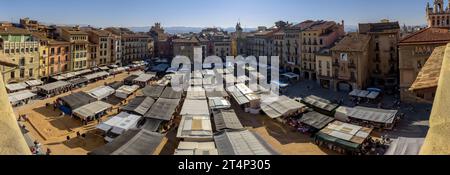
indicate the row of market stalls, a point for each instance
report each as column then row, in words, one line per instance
column 362, row 94
column 343, row 129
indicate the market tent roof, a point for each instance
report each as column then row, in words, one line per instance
column 77, row 99
column 153, row 91
column 139, row 105
column 320, row 103
column 137, row 73
column 170, row 93
column 316, row 120
column 151, row 125
column 33, row 83
column 119, row 123
column 281, row 106
column 241, row 143
column 105, row 68
column 128, row 89
column 54, row 86
column 195, row 107
column 101, row 92
column 144, row 77
column 217, row 92
column 21, row 95
column 78, row 81
column 237, row 95
column 16, row 86
column 368, row 114
column 195, row 127
column 132, row 142
column 91, row 109
column 405, row 146
column 196, row 148
column 96, row 75
column 196, row 93
column 163, row 109
column 346, row 132
column 226, row 119
column 130, row 78
column 218, row 103
column 244, row 89
column 116, row 85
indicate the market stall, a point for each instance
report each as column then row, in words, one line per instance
column 143, row 79
column 195, row 128
column 282, row 107
column 218, row 103
column 74, row 101
column 343, row 137
column 242, row 142
column 226, row 119
column 139, row 105
column 125, row 91
column 312, row 122
column 101, row 92
column 320, row 105
column 170, row 93
column 21, row 97
column 153, row 91
column 371, row 117
column 92, row 111
column 16, row 87
column 53, row 89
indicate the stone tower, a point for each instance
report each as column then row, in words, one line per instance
column 438, row 15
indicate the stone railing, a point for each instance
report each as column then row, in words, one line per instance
column 437, row 141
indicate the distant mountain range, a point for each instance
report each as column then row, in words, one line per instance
column 182, row 29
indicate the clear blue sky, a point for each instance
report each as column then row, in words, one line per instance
column 202, row 13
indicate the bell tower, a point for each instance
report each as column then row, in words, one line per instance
column 439, row 6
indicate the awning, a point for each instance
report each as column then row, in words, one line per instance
column 367, row 114
column 163, row 109
column 132, row 142
column 105, row 68
column 77, row 100
column 125, row 91
column 319, row 103
column 237, row 95
column 226, row 119
column 151, row 125
column 170, row 93
column 218, row 103
column 195, row 127
column 16, row 86
column 316, row 120
column 16, row 97
column 139, row 105
column 196, row 93
column 54, row 86
column 78, row 81
column 242, row 143
column 282, row 106
column 195, row 107
column 116, row 84
column 91, row 109
column 153, row 91
column 96, row 75
column 405, row 146
column 373, row 95
column 144, row 77
column 101, row 92
column 33, row 83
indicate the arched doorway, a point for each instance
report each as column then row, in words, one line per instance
column 297, row 71
column 344, row 87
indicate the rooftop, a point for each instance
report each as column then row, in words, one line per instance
column 428, row 35
column 352, row 42
column 365, row 28
column 13, row 30
column 429, row 75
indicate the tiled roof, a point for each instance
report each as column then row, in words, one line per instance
column 13, row 30
column 378, row 27
column 429, row 75
column 352, row 42
column 428, row 35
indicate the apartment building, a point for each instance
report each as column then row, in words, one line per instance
column 22, row 48
column 79, row 46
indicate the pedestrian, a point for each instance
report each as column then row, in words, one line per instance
column 78, row 134
column 48, row 152
column 68, row 138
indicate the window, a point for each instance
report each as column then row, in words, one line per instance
column 31, row 60
column 22, row 73
column 30, row 72
column 344, row 56
column 13, row 74
column 22, row 61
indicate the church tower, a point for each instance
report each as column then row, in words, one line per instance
column 438, row 15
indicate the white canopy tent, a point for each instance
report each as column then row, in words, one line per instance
column 17, row 97
column 91, row 109
column 16, row 86
column 195, row 107
column 101, row 92
column 33, row 83
column 125, row 91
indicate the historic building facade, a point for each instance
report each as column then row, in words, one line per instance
column 22, row 48
column 384, row 36
column 79, row 46
column 350, row 61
